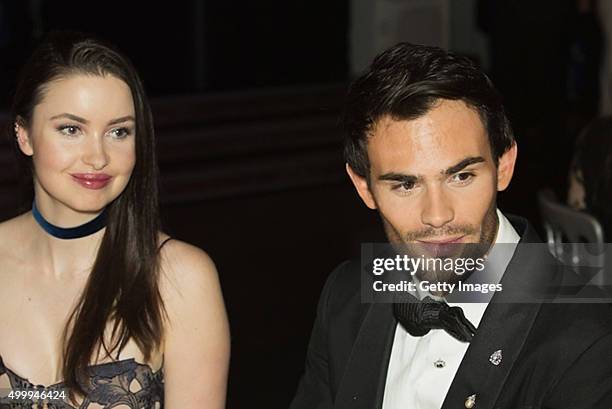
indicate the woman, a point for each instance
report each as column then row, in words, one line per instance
column 96, row 300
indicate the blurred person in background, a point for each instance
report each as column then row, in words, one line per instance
column 590, row 176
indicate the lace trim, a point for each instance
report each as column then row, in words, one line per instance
column 124, row 382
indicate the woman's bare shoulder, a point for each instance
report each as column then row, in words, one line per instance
column 185, row 269
column 196, row 344
column 13, row 231
column 14, row 224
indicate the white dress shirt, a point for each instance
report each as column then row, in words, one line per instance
column 421, row 369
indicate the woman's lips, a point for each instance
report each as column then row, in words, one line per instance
column 93, row 181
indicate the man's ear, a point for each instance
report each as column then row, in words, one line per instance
column 362, row 187
column 23, row 138
column 505, row 167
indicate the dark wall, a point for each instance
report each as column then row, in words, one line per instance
column 274, row 253
column 193, row 46
column 275, row 42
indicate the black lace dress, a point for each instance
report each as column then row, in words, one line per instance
column 124, row 384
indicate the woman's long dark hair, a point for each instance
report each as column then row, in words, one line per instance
column 123, row 285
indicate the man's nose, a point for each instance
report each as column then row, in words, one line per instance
column 94, row 152
column 437, row 208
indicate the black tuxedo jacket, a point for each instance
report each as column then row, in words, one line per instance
column 555, row 355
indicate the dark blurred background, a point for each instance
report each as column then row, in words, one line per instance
column 246, row 99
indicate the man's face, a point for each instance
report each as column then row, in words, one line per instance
column 433, row 179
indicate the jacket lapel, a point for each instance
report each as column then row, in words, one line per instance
column 364, row 381
column 504, row 326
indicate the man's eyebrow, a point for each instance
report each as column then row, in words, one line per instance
column 404, row 178
column 85, row 121
column 463, row 164
column 399, row 177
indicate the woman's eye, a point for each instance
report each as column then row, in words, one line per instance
column 69, row 130
column 121, row 133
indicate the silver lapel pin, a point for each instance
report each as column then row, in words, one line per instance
column 496, row 357
column 470, row 402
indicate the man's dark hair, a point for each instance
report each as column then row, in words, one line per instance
column 404, row 83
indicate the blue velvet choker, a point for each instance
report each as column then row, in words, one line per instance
column 68, row 233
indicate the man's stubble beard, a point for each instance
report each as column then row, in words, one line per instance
column 405, row 244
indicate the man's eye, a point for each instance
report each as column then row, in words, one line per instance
column 405, row 186
column 463, row 177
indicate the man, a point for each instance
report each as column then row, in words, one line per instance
column 429, row 146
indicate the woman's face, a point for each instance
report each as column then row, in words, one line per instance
column 82, row 142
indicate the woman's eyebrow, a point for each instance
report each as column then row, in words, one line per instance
column 122, row 119
column 85, row 121
column 71, row 116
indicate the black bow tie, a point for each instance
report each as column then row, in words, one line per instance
column 419, row 317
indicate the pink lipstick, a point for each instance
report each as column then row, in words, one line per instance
column 93, row 181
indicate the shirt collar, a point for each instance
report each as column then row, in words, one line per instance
column 505, row 231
